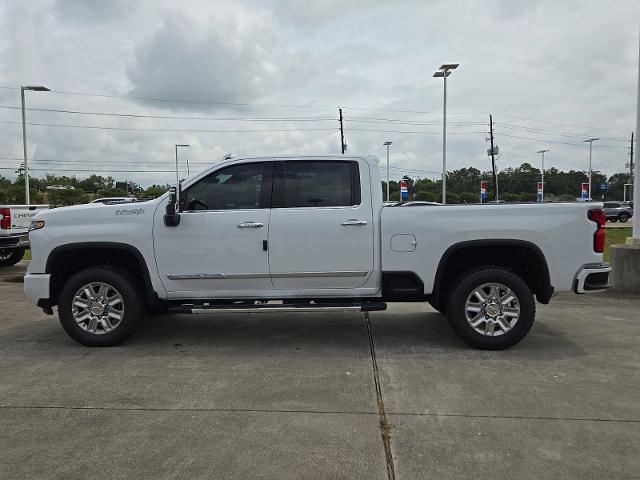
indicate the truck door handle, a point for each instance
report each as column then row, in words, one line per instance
column 354, row 222
column 250, row 225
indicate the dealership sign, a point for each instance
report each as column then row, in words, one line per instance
column 540, row 191
column 585, row 191
column 404, row 192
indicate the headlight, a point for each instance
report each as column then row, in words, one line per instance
column 36, row 225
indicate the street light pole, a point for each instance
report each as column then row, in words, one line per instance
column 387, row 143
column 23, row 88
column 636, row 175
column 590, row 140
column 444, row 72
column 542, row 152
column 177, row 178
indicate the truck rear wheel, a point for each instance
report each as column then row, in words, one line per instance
column 100, row 306
column 491, row 308
column 623, row 217
column 10, row 256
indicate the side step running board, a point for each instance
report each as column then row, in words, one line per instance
column 280, row 307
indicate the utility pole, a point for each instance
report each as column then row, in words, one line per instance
column 342, row 145
column 493, row 160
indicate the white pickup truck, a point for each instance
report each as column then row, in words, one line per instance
column 14, row 231
column 308, row 234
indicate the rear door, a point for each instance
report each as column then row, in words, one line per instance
column 321, row 228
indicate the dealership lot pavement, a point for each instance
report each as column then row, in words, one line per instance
column 294, row 396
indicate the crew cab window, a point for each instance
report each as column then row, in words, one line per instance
column 309, row 183
column 231, row 188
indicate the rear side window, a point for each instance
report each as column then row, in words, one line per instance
column 611, row 205
column 310, row 183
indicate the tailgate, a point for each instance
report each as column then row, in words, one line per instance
column 21, row 215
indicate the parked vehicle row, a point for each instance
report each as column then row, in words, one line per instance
column 14, row 230
column 618, row 211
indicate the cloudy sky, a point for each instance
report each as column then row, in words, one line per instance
column 267, row 76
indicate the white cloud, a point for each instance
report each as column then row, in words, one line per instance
column 566, row 66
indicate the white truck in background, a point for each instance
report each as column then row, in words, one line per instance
column 301, row 234
column 14, row 231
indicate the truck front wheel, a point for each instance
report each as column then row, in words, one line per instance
column 491, row 308
column 10, row 256
column 100, row 306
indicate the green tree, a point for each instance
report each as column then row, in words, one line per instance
column 58, row 198
column 468, row 197
column 154, row 191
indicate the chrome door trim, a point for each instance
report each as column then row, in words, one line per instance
column 319, row 274
column 214, row 276
column 236, row 276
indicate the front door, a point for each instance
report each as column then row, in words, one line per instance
column 321, row 230
column 219, row 247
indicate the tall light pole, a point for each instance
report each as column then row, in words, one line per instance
column 178, row 179
column 542, row 152
column 33, row 88
column 590, row 140
column 635, row 240
column 387, row 143
column 444, row 72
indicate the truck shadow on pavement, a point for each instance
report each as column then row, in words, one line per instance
column 413, row 333
column 394, row 334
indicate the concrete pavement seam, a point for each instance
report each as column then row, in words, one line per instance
column 170, row 409
column 385, row 427
column 319, row 412
column 513, row 417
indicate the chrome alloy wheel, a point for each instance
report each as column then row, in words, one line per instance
column 97, row 308
column 492, row 309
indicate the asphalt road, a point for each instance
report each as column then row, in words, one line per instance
column 627, row 224
column 294, row 396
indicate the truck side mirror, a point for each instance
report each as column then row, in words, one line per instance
column 172, row 214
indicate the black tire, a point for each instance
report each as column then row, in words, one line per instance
column 132, row 302
column 10, row 256
column 463, row 288
column 623, row 217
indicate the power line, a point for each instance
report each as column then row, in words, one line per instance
column 176, row 117
column 403, row 122
column 419, row 131
column 555, row 141
column 238, row 104
column 192, row 130
column 90, row 170
column 133, row 129
column 547, row 121
column 552, row 132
